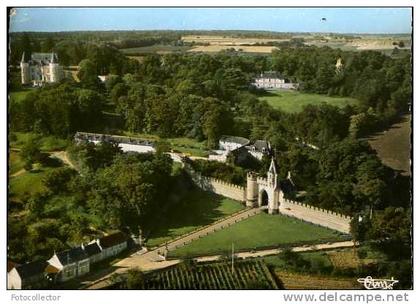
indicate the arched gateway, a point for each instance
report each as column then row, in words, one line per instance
column 262, row 192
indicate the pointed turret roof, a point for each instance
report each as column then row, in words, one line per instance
column 23, row 57
column 272, row 168
column 53, row 59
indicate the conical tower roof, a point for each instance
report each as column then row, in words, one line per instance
column 272, row 168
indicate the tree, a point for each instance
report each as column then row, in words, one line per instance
column 135, row 279
column 30, row 152
column 56, row 180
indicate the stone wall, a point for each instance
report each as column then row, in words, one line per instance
column 316, row 215
column 219, row 187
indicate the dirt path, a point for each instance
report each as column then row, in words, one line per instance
column 148, row 265
column 20, row 172
column 62, row 155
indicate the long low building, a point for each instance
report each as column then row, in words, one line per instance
column 127, row 144
column 65, row 265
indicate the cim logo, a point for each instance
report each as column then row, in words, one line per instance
column 370, row 283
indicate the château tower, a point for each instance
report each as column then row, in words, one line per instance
column 24, row 67
column 55, row 70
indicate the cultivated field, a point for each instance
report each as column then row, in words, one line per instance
column 262, row 230
column 294, row 101
column 246, row 275
column 293, row 280
column 158, row 49
column 394, row 145
column 245, row 49
column 226, row 40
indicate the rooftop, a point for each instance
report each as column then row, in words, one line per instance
column 235, row 139
column 31, row 269
column 92, row 249
column 71, row 255
column 113, row 240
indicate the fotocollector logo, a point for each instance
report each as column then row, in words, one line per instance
column 370, row 283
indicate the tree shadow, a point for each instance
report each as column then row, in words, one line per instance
column 197, row 208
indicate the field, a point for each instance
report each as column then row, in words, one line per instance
column 158, row 49
column 294, row 101
column 259, row 231
column 197, row 209
column 394, row 145
column 293, row 280
column 245, row 49
column 227, row 40
column 214, row 276
column 46, row 143
column 28, row 183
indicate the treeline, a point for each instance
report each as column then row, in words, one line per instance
column 381, row 84
column 106, row 56
column 120, row 191
column 59, row 110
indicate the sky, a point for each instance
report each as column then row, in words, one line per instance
column 338, row 20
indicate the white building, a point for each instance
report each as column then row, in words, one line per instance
column 273, row 80
column 70, row 263
column 41, row 68
column 113, row 244
column 127, row 144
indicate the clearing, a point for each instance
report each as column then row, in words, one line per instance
column 260, row 231
column 242, row 48
column 197, row 209
column 295, row 101
column 394, row 145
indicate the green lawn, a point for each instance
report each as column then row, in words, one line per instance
column 259, row 231
column 28, row 183
column 294, row 101
column 46, row 143
column 15, row 162
column 197, row 209
column 19, row 95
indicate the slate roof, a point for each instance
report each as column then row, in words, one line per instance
column 92, row 249
column 43, row 57
column 11, row 265
column 113, row 240
column 235, row 139
column 31, row 269
column 261, row 145
column 71, row 255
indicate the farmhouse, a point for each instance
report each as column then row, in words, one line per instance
column 273, row 80
column 40, row 68
column 240, row 148
column 27, row 276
